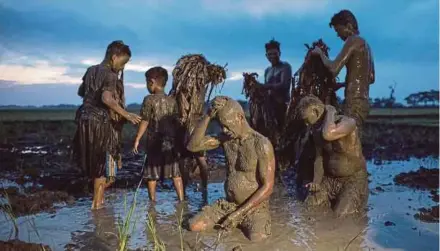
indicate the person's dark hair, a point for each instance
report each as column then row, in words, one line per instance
column 117, row 48
column 272, row 44
column 157, row 73
column 344, row 17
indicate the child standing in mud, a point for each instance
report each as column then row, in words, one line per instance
column 97, row 138
column 159, row 115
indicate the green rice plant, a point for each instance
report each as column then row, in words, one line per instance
column 157, row 242
column 179, row 218
column 126, row 226
column 9, row 213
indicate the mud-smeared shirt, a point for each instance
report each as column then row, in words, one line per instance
column 280, row 75
column 160, row 111
column 96, row 80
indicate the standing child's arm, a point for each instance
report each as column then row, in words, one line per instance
column 143, row 125
column 141, row 130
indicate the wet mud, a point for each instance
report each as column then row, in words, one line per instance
column 16, row 245
column 428, row 214
column 423, row 178
column 35, row 161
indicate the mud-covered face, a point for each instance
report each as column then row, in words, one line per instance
column 150, row 85
column 231, row 124
column 343, row 31
column 310, row 115
column 118, row 62
column 273, row 55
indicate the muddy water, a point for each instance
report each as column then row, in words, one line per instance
column 388, row 225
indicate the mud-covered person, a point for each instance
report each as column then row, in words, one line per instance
column 357, row 57
column 340, row 175
column 277, row 82
column 250, row 172
column 96, row 142
column 159, row 115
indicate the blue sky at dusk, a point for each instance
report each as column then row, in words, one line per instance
column 45, row 46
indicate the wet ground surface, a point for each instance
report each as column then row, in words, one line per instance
column 390, row 223
column 50, row 202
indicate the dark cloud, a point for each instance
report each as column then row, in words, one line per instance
column 46, row 29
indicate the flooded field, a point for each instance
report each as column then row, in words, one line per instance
column 389, row 224
column 49, row 202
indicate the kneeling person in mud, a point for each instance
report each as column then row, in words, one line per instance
column 340, row 175
column 250, row 172
column 160, row 115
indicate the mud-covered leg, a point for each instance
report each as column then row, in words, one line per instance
column 98, row 189
column 151, row 184
column 257, row 226
column 353, row 197
column 203, row 165
column 178, row 185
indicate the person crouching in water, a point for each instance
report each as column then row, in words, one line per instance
column 96, row 142
column 159, row 114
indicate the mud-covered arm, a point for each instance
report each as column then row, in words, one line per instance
column 285, row 78
column 335, row 66
column 199, row 141
column 265, row 176
column 332, row 131
column 108, row 89
column 145, row 114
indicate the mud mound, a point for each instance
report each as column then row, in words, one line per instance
column 423, row 178
column 37, row 202
column 16, row 245
column 429, row 215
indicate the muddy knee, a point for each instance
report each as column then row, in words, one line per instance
column 198, row 225
column 257, row 237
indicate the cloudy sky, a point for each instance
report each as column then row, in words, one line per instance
column 46, row 45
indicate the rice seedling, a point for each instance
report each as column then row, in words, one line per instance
column 179, row 218
column 157, row 242
column 9, row 213
column 126, row 226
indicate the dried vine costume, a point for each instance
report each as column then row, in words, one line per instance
column 312, row 78
column 191, row 77
column 161, row 113
column 98, row 136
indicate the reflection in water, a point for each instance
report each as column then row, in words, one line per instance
column 293, row 228
column 104, row 236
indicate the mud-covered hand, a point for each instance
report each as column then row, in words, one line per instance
column 133, row 118
column 317, row 51
column 330, row 109
column 231, row 221
column 135, row 147
column 313, row 187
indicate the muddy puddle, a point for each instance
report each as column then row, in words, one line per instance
column 389, row 224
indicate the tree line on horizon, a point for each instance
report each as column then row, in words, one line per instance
column 419, row 99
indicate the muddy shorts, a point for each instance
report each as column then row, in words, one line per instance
column 257, row 221
column 162, row 160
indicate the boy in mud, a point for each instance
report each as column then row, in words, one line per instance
column 160, row 115
column 97, row 140
column 250, row 174
column 357, row 57
column 340, row 175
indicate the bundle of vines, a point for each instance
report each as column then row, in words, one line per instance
column 262, row 118
column 312, row 78
column 192, row 77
